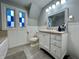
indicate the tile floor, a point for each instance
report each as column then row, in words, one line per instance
column 31, row 52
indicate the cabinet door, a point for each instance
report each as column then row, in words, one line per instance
column 44, row 40
column 52, row 38
column 41, row 39
column 56, row 51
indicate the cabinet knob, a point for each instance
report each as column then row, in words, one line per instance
column 44, row 35
column 54, row 50
column 55, row 43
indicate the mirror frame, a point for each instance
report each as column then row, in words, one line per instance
column 66, row 10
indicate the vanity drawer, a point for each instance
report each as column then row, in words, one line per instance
column 58, row 52
column 55, row 50
column 56, row 43
column 53, row 36
column 58, row 37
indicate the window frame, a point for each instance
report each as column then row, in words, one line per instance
column 13, row 20
column 4, row 19
column 21, row 11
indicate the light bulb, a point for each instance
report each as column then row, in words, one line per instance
column 50, row 8
column 53, row 6
column 63, row 1
column 47, row 10
column 57, row 3
column 70, row 16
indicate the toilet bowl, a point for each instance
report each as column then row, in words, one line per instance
column 33, row 41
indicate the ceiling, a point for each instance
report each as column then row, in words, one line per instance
column 36, row 5
column 36, row 8
column 21, row 2
column 18, row 2
column 40, row 3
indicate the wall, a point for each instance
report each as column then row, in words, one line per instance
column 9, row 2
column 73, row 10
column 71, row 4
column 43, row 18
column 34, row 14
column 16, row 36
column 73, row 42
column 34, row 11
column 32, row 22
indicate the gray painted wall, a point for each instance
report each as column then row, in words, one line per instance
column 73, row 10
column 34, row 11
column 34, row 14
column 13, row 4
column 33, row 22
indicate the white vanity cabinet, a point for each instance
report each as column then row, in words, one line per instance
column 44, row 40
column 58, row 45
column 53, row 42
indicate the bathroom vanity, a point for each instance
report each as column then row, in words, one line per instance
column 3, row 44
column 54, row 42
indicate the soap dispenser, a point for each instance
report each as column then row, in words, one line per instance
column 59, row 28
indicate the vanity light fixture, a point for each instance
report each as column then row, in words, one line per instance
column 53, row 6
column 70, row 17
column 47, row 10
column 57, row 3
column 50, row 7
column 63, row 1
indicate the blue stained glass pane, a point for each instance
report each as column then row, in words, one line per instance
column 22, row 24
column 8, row 24
column 12, row 12
column 23, row 15
column 8, row 12
column 10, row 17
column 21, row 19
column 12, row 24
column 20, row 14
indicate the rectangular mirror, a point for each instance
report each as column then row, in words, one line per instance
column 56, row 19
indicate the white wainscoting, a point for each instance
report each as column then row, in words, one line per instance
column 17, row 37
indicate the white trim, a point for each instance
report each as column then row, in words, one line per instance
column 4, row 21
column 59, row 11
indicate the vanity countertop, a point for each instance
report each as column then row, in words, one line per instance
column 3, row 35
column 51, row 31
column 1, row 40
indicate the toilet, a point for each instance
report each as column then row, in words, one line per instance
column 34, row 41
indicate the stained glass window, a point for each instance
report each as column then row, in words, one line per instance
column 21, row 19
column 10, row 17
